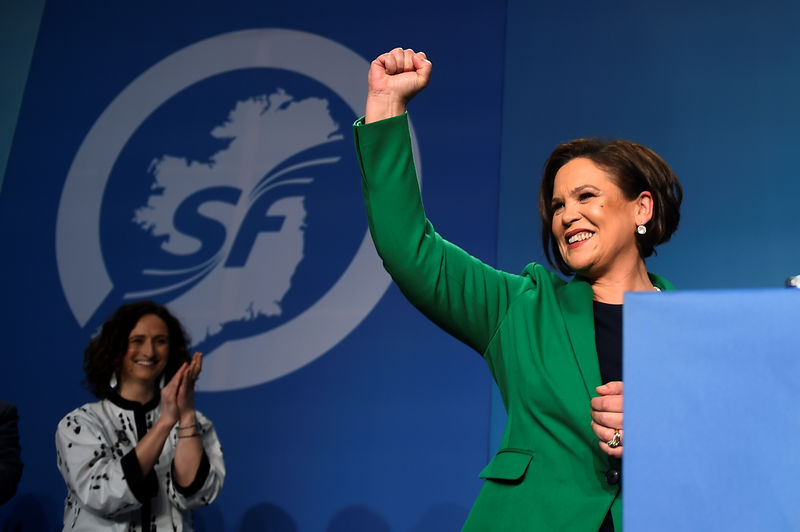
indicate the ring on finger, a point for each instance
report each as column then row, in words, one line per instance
column 616, row 441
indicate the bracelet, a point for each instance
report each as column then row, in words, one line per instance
column 195, row 426
column 195, row 435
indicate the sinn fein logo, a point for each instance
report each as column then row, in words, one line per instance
column 222, row 182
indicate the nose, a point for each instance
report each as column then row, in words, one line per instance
column 146, row 348
column 570, row 214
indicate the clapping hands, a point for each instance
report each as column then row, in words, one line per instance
column 177, row 397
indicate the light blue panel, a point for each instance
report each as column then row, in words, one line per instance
column 712, row 428
column 19, row 21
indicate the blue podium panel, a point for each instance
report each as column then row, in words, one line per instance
column 712, row 410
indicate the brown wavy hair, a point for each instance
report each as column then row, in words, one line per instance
column 103, row 356
column 634, row 169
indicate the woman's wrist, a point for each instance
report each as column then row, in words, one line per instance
column 381, row 106
column 162, row 426
column 187, row 419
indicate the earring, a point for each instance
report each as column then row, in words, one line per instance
column 641, row 229
column 113, row 382
column 163, row 380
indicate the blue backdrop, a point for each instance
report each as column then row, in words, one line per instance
column 386, row 423
column 124, row 107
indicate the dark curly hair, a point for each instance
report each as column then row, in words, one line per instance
column 634, row 169
column 103, row 356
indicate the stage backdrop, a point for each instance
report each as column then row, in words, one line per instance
column 199, row 153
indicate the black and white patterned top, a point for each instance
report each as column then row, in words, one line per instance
column 106, row 489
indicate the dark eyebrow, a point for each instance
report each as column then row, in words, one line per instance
column 575, row 191
column 581, row 188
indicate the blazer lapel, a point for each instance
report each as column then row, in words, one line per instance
column 575, row 300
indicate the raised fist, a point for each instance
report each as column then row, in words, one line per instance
column 394, row 79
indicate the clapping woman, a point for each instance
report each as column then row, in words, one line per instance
column 141, row 457
column 553, row 347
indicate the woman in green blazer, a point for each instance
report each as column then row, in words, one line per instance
column 549, row 344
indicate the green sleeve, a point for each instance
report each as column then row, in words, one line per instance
column 464, row 296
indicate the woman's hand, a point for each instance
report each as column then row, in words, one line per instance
column 394, row 79
column 177, row 397
column 169, row 397
column 185, row 390
column 149, row 447
column 607, row 414
column 177, row 406
column 189, row 449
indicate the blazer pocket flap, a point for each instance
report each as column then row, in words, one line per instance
column 508, row 464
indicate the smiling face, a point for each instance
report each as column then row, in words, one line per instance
column 593, row 223
column 147, row 353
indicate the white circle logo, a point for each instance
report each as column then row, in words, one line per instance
column 245, row 276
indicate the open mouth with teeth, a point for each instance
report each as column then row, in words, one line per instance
column 579, row 237
column 145, row 362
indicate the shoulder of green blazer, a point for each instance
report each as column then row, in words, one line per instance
column 575, row 303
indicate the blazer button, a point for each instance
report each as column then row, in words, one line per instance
column 613, row 476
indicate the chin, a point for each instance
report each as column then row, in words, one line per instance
column 581, row 262
column 580, row 268
column 577, row 266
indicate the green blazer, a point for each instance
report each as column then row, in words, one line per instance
column 536, row 333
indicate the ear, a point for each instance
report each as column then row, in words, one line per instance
column 643, row 208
